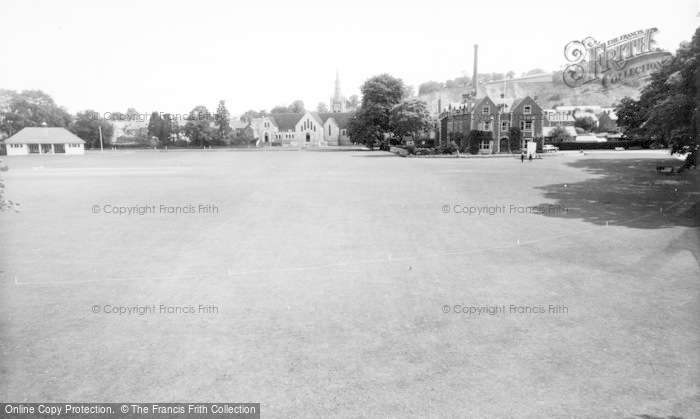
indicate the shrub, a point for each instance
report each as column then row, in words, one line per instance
column 450, row 148
column 276, row 143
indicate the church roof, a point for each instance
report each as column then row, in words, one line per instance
column 286, row 121
column 340, row 118
column 316, row 116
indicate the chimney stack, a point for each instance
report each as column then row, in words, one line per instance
column 476, row 75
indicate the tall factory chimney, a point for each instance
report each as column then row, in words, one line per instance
column 476, row 75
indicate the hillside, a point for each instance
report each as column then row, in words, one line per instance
column 547, row 93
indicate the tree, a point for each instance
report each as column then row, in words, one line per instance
column 280, row 109
column 30, row 108
column 585, row 122
column 510, row 74
column 408, row 92
column 322, row 107
column 515, row 137
column 297, row 107
column 362, row 127
column 382, row 93
column 353, row 102
column 559, row 134
column 668, row 105
column 154, row 124
column 87, row 127
column 198, row 128
column 222, row 120
column 251, row 114
column 410, row 117
column 161, row 127
column 429, row 87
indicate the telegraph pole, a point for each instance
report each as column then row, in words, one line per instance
column 102, row 150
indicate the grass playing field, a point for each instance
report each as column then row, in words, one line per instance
column 335, row 283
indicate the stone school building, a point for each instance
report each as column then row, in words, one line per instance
column 42, row 140
column 304, row 130
column 485, row 114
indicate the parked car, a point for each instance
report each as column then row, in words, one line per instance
column 548, row 148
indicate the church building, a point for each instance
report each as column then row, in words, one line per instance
column 308, row 129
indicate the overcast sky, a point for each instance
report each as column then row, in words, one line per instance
column 171, row 56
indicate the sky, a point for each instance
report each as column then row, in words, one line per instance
column 175, row 55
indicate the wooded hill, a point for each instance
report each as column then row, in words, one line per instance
column 547, row 89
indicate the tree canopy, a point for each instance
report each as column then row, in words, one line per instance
column 379, row 95
column 30, row 108
column 87, row 126
column 198, row 128
column 667, row 108
column 410, row 117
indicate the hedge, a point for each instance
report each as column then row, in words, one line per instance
column 608, row 145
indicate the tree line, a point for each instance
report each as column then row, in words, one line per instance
column 465, row 80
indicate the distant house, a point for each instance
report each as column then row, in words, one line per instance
column 243, row 129
column 547, row 133
column 43, row 140
column 553, row 118
column 607, row 121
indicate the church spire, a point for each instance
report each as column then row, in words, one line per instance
column 337, row 95
column 337, row 101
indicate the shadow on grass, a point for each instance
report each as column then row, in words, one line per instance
column 627, row 192
column 656, row 417
column 377, row 154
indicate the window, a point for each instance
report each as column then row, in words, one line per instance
column 343, row 132
column 486, row 126
column 34, row 148
column 526, row 125
column 46, row 149
column 485, row 111
column 485, row 145
column 527, row 110
column 329, row 130
column 59, row 148
column 504, row 126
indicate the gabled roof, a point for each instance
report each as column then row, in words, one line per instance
column 516, row 102
column 504, row 101
column 238, row 124
column 340, row 118
column 316, row 116
column 480, row 102
column 286, row 121
column 44, row 135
